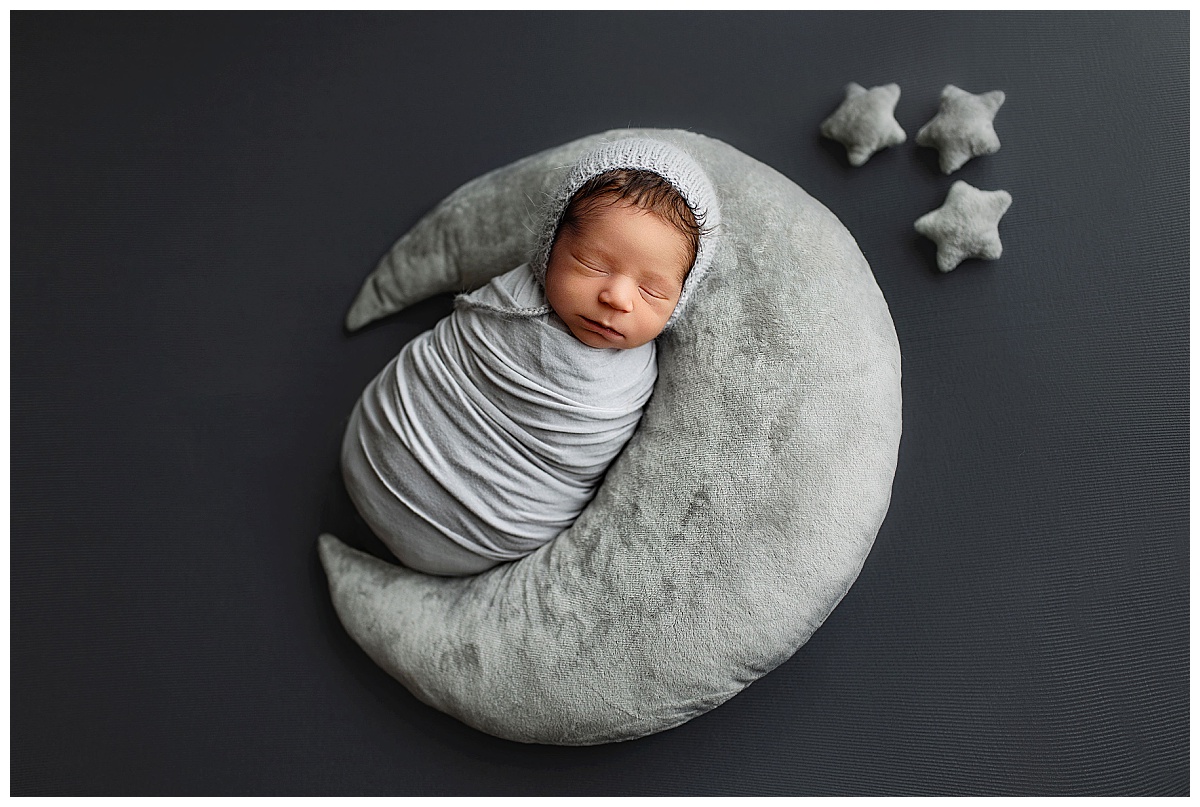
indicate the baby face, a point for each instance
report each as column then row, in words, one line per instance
column 616, row 281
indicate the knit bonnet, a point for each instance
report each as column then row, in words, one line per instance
column 643, row 154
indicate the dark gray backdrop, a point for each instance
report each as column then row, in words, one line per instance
column 196, row 199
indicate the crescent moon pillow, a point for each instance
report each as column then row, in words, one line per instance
column 732, row 523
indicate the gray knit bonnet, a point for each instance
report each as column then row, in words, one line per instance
column 642, row 154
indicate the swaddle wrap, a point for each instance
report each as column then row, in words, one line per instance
column 497, row 425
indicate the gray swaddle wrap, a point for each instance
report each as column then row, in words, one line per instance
column 497, row 425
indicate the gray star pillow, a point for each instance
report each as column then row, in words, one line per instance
column 863, row 123
column 730, row 525
column 966, row 225
column 962, row 128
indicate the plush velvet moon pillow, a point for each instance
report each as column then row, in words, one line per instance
column 734, row 520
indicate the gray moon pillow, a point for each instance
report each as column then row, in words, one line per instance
column 732, row 523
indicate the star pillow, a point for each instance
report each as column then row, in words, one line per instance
column 863, row 123
column 966, row 225
column 962, row 128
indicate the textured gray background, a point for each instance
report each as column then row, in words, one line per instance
column 195, row 201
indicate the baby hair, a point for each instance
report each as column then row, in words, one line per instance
column 644, row 189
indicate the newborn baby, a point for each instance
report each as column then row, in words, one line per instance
column 487, row 435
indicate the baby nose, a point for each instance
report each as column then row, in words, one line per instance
column 618, row 295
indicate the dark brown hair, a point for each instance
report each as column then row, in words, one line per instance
column 644, row 189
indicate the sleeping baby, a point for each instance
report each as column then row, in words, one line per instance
column 488, row 434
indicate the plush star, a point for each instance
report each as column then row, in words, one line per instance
column 965, row 226
column 962, row 128
column 863, row 123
